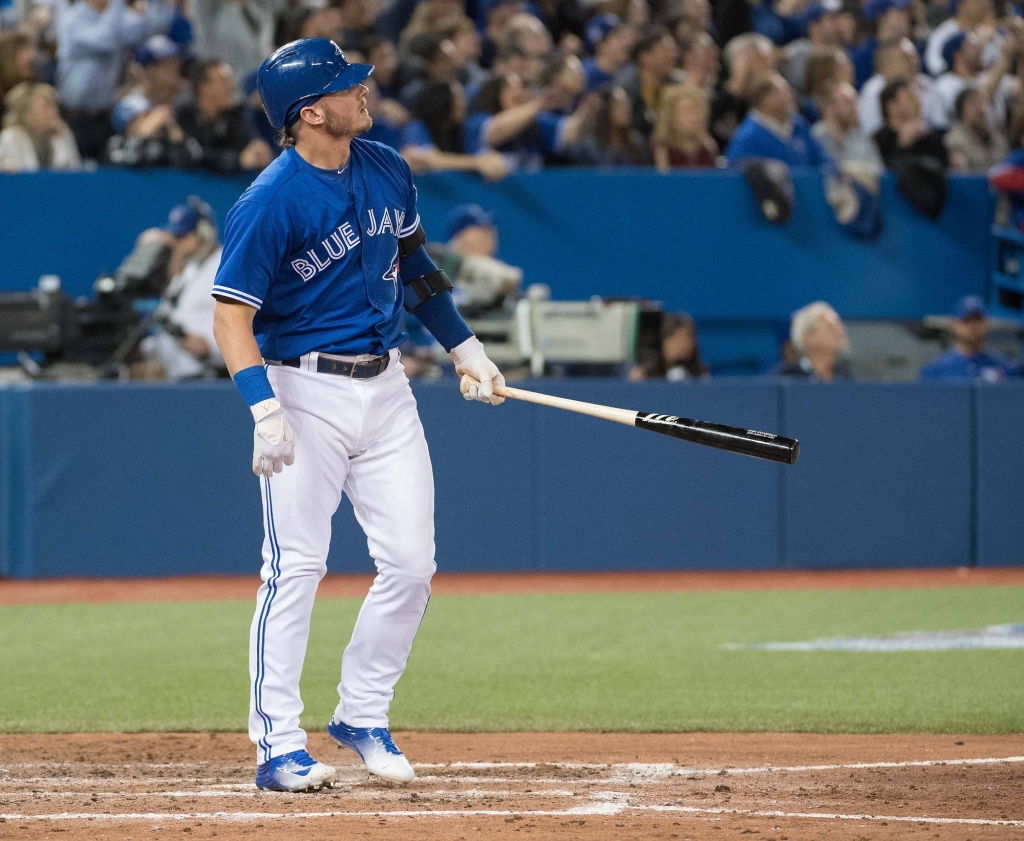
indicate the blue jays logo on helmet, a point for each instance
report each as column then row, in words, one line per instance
column 299, row 73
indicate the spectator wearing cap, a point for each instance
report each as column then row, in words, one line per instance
column 963, row 56
column 890, row 21
column 653, row 69
column 215, row 119
column 774, row 130
column 433, row 139
column 34, row 136
column 160, row 60
column 839, row 131
column 471, row 231
column 182, row 344
column 609, row 42
column 677, row 356
column 147, row 135
column 905, row 133
column 968, row 359
column 482, row 282
column 966, row 14
column 681, row 139
column 239, row 32
column 749, row 60
column 823, row 33
column 818, row 337
column 92, row 37
column 899, row 60
column 972, row 144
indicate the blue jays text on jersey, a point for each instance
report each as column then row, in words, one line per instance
column 316, row 251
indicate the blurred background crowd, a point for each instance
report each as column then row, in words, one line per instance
column 493, row 87
column 496, row 86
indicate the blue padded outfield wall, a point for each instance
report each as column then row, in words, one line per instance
column 692, row 240
column 138, row 480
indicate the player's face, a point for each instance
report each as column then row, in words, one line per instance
column 345, row 113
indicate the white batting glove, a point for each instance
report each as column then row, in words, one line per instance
column 479, row 374
column 273, row 442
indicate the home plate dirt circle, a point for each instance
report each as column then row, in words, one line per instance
column 780, row 786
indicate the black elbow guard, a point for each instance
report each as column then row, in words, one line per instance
column 407, row 245
column 421, row 289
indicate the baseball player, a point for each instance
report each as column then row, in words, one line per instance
column 321, row 255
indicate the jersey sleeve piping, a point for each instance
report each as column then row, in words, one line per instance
column 408, row 229
column 244, row 297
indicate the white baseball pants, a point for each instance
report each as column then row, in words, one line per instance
column 363, row 438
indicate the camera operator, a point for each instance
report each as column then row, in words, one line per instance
column 182, row 345
column 482, row 282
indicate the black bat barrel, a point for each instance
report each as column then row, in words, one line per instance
column 747, row 442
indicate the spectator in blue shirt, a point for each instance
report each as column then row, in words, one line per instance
column 433, row 139
column 609, row 41
column 774, row 130
column 524, row 127
column 967, row 358
column 93, row 36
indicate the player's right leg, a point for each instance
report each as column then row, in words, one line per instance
column 298, row 504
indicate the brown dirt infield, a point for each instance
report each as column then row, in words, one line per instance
column 538, row 785
column 214, row 587
column 576, row 786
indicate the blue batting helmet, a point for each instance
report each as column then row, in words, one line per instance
column 299, row 73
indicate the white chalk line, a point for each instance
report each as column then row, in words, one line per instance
column 634, row 771
column 608, row 809
column 250, row 790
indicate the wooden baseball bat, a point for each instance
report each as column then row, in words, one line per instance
column 748, row 442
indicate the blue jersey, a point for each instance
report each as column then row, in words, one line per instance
column 755, row 140
column 954, row 365
column 316, row 252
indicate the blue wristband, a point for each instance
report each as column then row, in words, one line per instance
column 253, row 385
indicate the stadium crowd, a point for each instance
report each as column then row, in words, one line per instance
column 495, row 86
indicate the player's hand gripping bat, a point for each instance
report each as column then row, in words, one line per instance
column 748, row 442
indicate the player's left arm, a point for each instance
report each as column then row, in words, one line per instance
column 428, row 294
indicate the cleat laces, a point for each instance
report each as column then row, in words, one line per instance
column 382, row 736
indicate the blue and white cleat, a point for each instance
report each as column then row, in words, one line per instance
column 376, row 748
column 295, row 771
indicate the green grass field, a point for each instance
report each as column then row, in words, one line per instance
column 635, row 661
